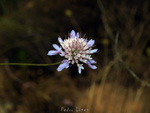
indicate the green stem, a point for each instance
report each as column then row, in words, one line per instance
column 26, row 64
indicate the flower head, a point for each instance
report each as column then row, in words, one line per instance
column 75, row 49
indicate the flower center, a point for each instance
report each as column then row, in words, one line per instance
column 74, row 53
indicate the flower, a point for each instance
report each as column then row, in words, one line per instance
column 75, row 49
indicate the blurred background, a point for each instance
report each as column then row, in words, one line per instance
column 28, row 28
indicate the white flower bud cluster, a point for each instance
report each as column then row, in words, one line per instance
column 76, row 50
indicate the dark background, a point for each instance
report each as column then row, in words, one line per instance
column 28, row 28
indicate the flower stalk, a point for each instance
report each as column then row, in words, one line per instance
column 28, row 64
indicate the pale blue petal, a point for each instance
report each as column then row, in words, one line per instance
column 65, row 61
column 67, row 66
column 60, row 40
column 91, row 66
column 53, row 52
column 94, row 51
column 92, row 61
column 90, row 43
column 72, row 34
column 56, row 47
column 79, row 70
column 77, row 35
column 94, row 67
column 62, row 66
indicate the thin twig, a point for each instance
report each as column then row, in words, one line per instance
column 104, row 19
column 125, row 65
column 115, row 40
